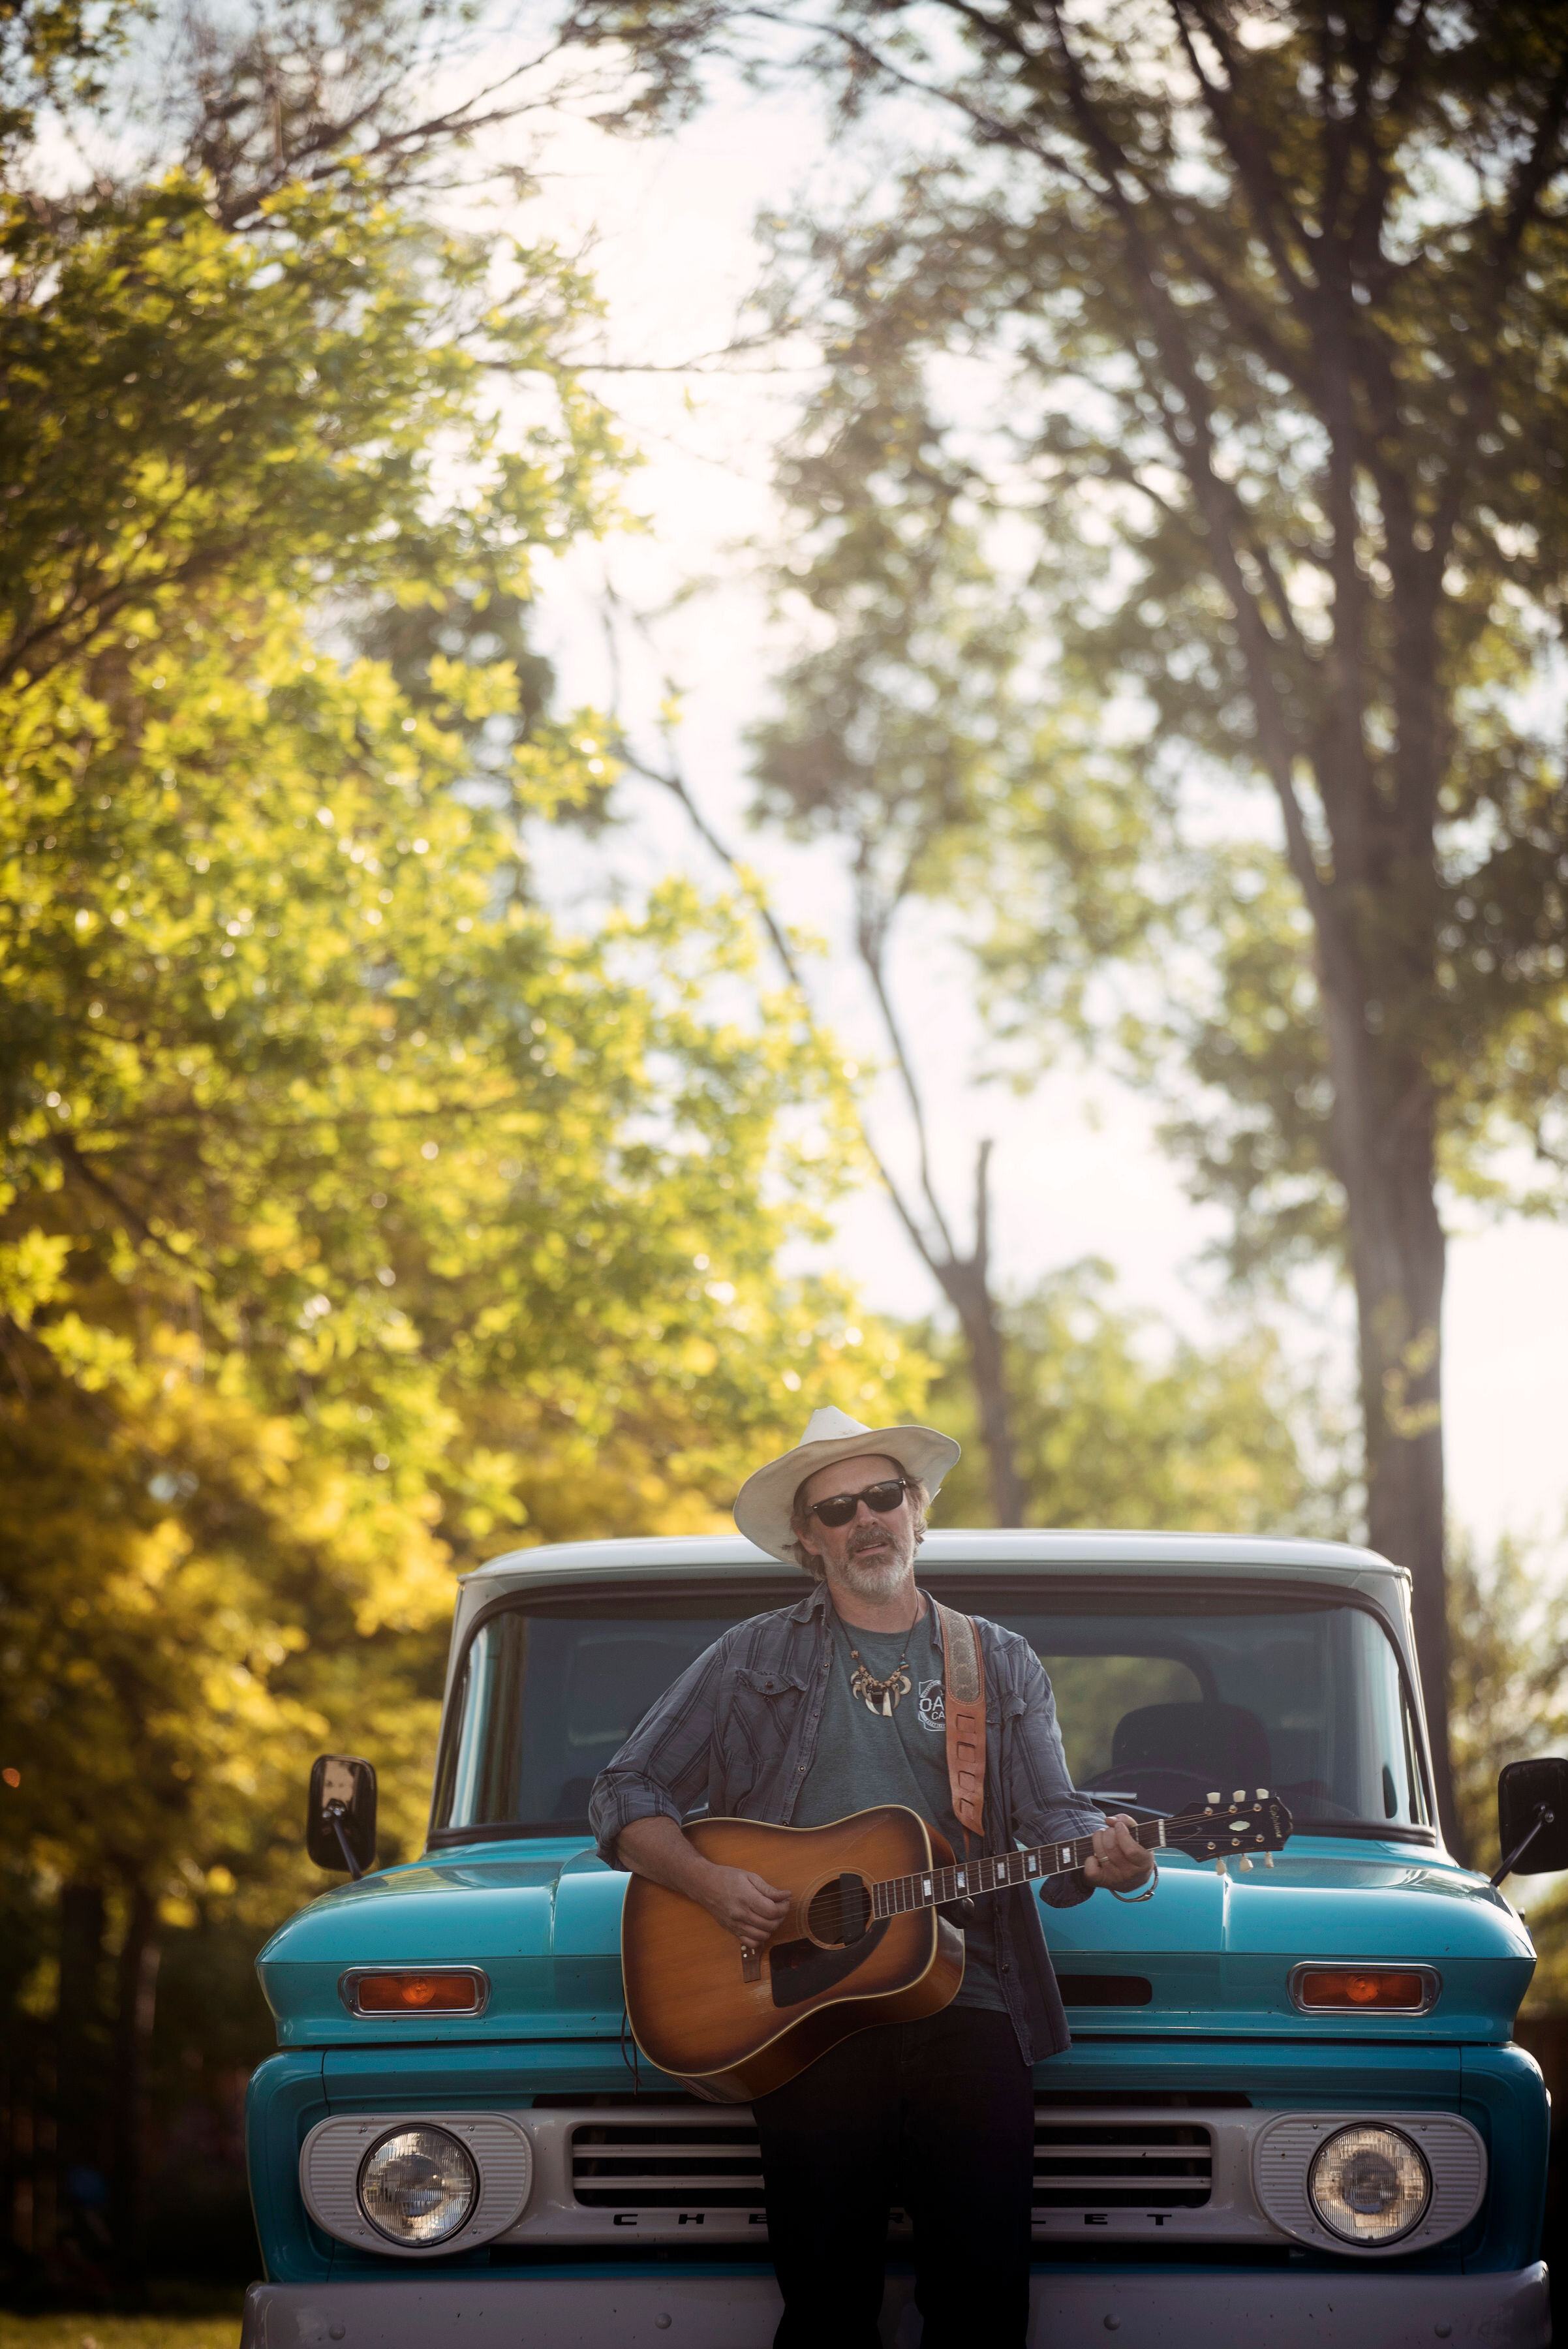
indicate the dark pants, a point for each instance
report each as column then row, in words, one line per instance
column 937, row 2118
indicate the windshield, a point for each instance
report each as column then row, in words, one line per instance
column 1160, row 1700
column 1159, row 1705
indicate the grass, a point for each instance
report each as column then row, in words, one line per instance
column 119, row 2332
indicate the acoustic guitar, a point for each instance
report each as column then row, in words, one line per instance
column 864, row 1941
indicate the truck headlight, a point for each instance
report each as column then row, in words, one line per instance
column 1369, row 2185
column 418, row 2185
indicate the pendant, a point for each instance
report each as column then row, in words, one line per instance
column 879, row 1696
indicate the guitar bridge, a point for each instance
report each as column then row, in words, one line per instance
column 751, row 1964
column 801, row 1969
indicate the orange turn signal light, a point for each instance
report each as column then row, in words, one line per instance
column 1349, row 1990
column 410, row 1990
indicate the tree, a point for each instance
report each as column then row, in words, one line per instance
column 912, row 735
column 1118, row 1421
column 1276, row 298
column 355, row 1218
column 1508, row 1628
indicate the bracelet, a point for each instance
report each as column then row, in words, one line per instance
column 1132, row 1899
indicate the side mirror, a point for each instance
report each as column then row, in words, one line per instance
column 340, row 1817
column 1533, row 1818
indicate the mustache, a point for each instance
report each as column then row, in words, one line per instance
column 870, row 1537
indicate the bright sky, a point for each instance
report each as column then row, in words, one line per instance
column 1077, row 1169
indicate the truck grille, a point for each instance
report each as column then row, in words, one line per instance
column 1122, row 2165
column 698, row 2164
column 690, row 2165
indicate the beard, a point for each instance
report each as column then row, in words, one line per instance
column 876, row 1563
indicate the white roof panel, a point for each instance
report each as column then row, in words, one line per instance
column 953, row 1549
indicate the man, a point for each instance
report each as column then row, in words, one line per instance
column 801, row 1717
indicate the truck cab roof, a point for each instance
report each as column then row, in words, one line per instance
column 982, row 1553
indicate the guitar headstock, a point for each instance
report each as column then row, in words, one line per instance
column 1230, row 1827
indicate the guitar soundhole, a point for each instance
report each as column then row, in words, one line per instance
column 839, row 1913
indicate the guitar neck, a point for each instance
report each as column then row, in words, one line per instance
column 967, row 1880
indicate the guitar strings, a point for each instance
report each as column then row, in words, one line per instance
column 898, row 1895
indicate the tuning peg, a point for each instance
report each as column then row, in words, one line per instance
column 1218, row 1867
column 1245, row 1865
column 1267, row 1860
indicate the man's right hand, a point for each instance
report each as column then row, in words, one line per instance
column 745, row 1905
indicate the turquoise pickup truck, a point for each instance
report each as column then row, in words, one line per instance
column 1292, row 2113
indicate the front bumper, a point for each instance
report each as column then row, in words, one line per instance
column 1146, row 2308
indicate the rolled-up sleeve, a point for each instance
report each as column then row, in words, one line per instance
column 1043, row 1804
column 661, row 1771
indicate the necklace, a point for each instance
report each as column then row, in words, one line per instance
column 879, row 1696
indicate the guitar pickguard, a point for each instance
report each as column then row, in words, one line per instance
column 801, row 1969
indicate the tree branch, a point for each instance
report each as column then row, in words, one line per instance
column 1522, row 209
column 1216, row 499
column 77, row 1163
column 1253, row 168
column 869, row 939
column 992, row 128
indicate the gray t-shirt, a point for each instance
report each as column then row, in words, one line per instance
column 863, row 1758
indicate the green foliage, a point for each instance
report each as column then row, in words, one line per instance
column 53, row 52
column 1507, row 1632
column 182, row 406
column 1117, row 1421
column 1251, row 1112
column 918, row 725
column 910, row 730
column 1197, row 573
column 357, row 1219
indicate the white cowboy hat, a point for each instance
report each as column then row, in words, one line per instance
column 764, row 1503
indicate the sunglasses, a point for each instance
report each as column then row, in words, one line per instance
column 839, row 1507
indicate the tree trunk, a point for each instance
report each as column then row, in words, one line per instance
column 80, row 2158
column 970, row 1294
column 1399, row 1253
column 137, row 1987
column 1385, row 1154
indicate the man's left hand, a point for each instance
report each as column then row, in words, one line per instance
column 1120, row 1862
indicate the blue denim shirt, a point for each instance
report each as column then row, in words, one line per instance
column 738, row 1732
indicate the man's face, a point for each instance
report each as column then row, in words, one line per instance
column 872, row 1555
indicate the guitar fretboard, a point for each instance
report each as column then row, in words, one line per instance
column 895, row 1895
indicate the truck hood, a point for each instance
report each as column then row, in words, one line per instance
column 1215, row 1953
column 1218, row 1951
column 545, row 1928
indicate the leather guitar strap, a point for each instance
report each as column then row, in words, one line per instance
column 964, row 1698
